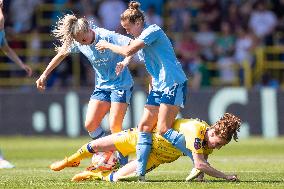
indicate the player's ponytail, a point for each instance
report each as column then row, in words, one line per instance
column 133, row 13
column 66, row 28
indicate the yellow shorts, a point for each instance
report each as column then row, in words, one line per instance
column 126, row 141
column 162, row 150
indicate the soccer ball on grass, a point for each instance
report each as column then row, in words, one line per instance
column 105, row 161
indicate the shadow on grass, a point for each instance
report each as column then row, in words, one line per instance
column 212, row 181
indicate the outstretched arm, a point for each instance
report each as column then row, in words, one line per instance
column 14, row 57
column 121, row 65
column 129, row 50
column 40, row 83
column 201, row 164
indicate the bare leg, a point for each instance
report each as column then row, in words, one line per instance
column 95, row 113
column 166, row 117
column 116, row 116
column 126, row 170
column 87, row 150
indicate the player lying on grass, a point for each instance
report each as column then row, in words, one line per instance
column 200, row 138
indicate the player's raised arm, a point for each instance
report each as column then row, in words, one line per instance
column 15, row 58
column 121, row 65
column 40, row 83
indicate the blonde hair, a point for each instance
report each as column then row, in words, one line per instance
column 133, row 13
column 66, row 28
column 227, row 127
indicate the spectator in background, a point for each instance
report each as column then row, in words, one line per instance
column 211, row 13
column 109, row 12
column 188, row 50
column 263, row 22
column 151, row 17
column 180, row 18
column 244, row 49
column 278, row 9
column 205, row 38
column 245, row 10
column 224, row 47
column 21, row 14
column 245, row 45
column 158, row 4
column 233, row 16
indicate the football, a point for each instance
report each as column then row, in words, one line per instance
column 105, row 161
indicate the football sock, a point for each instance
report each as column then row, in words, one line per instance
column 123, row 160
column 143, row 150
column 108, row 176
column 85, row 151
column 178, row 140
column 98, row 133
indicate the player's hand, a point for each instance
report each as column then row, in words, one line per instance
column 40, row 83
column 119, row 67
column 28, row 70
column 101, row 45
column 200, row 178
column 231, row 178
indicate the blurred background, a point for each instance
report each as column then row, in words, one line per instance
column 231, row 50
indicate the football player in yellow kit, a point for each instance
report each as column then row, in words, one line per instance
column 200, row 139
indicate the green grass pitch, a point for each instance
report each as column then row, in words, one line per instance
column 259, row 164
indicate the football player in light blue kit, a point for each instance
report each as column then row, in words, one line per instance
column 112, row 92
column 169, row 82
column 7, row 50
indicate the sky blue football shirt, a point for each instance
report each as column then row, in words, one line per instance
column 160, row 59
column 104, row 62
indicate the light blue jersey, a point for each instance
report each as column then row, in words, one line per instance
column 2, row 38
column 160, row 59
column 104, row 62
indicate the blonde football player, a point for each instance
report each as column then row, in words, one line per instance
column 200, row 138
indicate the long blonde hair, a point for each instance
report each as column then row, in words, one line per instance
column 227, row 127
column 133, row 13
column 66, row 28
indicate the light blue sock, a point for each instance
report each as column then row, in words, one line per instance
column 98, row 133
column 123, row 160
column 143, row 150
column 178, row 140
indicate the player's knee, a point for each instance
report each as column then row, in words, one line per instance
column 115, row 128
column 162, row 130
column 90, row 126
column 144, row 128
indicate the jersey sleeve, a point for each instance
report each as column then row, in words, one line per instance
column 120, row 40
column 149, row 35
column 194, row 132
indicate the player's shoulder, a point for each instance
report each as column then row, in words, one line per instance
column 194, row 125
column 151, row 28
column 193, row 121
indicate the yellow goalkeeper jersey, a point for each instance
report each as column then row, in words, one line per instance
column 194, row 132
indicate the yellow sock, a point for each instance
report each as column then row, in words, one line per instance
column 84, row 152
